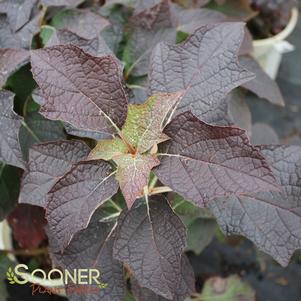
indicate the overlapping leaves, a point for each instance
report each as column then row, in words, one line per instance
column 270, row 219
column 82, row 84
column 206, row 65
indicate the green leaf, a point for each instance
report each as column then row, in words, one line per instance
column 108, row 149
column 185, row 208
column 37, row 129
column 9, row 188
column 22, row 84
column 145, row 122
column 200, row 233
column 226, row 289
column 46, row 33
column 133, row 173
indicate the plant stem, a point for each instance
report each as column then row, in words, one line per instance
column 25, row 252
column 146, row 194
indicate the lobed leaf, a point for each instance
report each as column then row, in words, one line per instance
column 108, row 149
column 205, row 65
column 146, row 30
column 18, row 12
column 86, row 91
column 84, row 23
column 238, row 111
column 189, row 20
column 185, row 285
column 150, row 240
column 201, row 161
column 133, row 174
column 96, row 46
column 10, row 61
column 23, row 37
column 75, row 197
column 68, row 3
column 145, row 122
column 92, row 248
column 263, row 86
column 10, row 123
column 47, row 163
column 70, row 129
column 271, row 220
column 37, row 129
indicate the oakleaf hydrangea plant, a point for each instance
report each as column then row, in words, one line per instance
column 109, row 206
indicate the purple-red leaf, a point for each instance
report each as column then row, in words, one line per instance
column 10, row 123
column 23, row 37
column 185, row 285
column 263, row 86
column 10, row 61
column 86, row 91
column 68, row 3
column 47, row 163
column 18, row 11
column 188, row 20
column 84, row 23
column 28, row 224
column 201, row 161
column 75, row 197
column 146, row 30
column 92, row 248
column 272, row 220
column 150, row 240
column 238, row 111
column 133, row 174
column 96, row 46
column 206, row 65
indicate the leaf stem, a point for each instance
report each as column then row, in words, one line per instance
column 146, row 194
column 31, row 131
column 109, row 217
column 152, row 183
column 158, row 190
column 117, row 207
column 136, row 87
column 178, row 204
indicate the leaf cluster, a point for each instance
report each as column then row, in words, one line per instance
column 122, row 116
